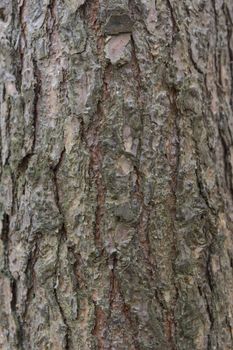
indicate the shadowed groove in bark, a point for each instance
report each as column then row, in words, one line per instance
column 62, row 236
column 30, row 274
column 208, row 308
column 55, row 180
column 95, row 172
column 13, row 281
column 56, row 286
column 229, row 25
column 173, row 18
column 51, row 10
column 193, row 61
column 37, row 88
column 22, row 42
column 92, row 140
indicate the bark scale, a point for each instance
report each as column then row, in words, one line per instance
column 116, row 174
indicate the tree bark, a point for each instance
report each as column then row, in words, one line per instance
column 116, row 190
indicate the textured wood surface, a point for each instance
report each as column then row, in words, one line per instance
column 116, row 182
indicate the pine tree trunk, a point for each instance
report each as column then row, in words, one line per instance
column 116, row 189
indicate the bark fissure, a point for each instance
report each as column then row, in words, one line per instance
column 229, row 25
column 95, row 172
column 175, row 25
column 37, row 90
column 13, row 281
column 30, row 273
column 55, row 180
column 61, row 237
column 55, row 290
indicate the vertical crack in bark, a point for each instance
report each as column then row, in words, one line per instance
column 143, row 237
column 51, row 11
column 68, row 333
column 13, row 282
column 92, row 139
column 189, row 48
column 216, row 56
column 30, row 274
column 169, row 322
column 8, row 128
column 175, row 167
column 95, row 169
column 22, row 41
column 142, row 226
column 194, row 63
column 99, row 326
column 61, row 235
column 228, row 323
column 208, row 308
column 199, row 178
column 37, row 90
column 55, row 171
column 229, row 26
column 228, row 171
column 174, row 110
column 200, row 186
column 112, row 291
column 218, row 48
column 112, row 260
column 127, row 312
column 209, row 312
column 175, row 25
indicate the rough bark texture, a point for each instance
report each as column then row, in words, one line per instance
column 116, row 174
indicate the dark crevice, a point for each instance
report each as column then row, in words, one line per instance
column 142, row 228
column 68, row 333
column 194, row 63
column 91, row 136
column 175, row 26
column 55, row 180
column 172, row 93
column 228, row 323
column 51, row 13
column 112, row 289
column 13, row 282
column 216, row 56
column 226, row 157
column 229, row 26
column 93, row 131
column 175, row 112
column 8, row 128
column 128, row 316
column 208, row 273
column 201, row 189
column 22, row 42
column 100, row 322
column 208, row 308
column 95, row 174
column 37, row 90
column 2, row 14
column 30, row 274
column 62, row 236
column 113, row 285
column 199, row 180
column 23, row 165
